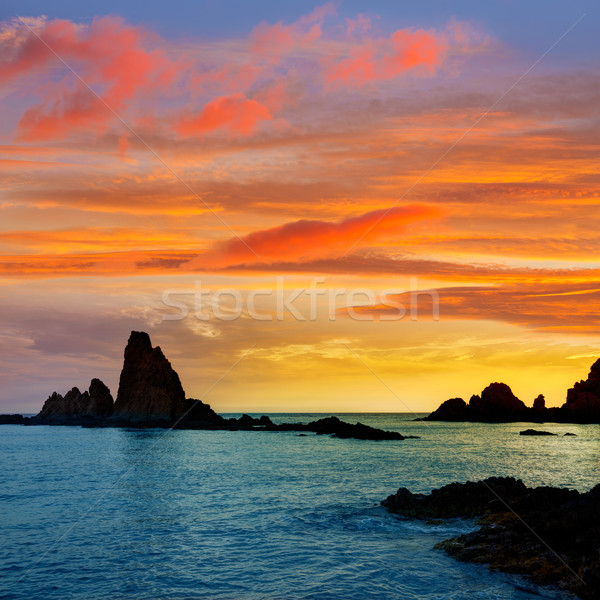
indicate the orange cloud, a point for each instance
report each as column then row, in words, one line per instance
column 235, row 114
column 110, row 57
column 562, row 307
column 306, row 239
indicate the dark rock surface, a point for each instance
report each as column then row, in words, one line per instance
column 549, row 534
column 535, row 432
column 151, row 395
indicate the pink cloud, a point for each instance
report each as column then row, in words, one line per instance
column 380, row 59
column 108, row 54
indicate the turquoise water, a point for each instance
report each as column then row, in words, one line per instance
column 148, row 514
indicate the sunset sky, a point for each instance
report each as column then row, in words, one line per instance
column 159, row 163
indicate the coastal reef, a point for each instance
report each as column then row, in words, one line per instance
column 551, row 535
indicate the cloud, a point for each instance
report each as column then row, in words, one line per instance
column 110, row 56
column 380, row 59
column 235, row 114
column 570, row 307
column 271, row 42
column 305, row 239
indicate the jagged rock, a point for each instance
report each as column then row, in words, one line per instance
column 550, row 534
column 149, row 388
column 583, row 399
column 96, row 403
column 456, row 499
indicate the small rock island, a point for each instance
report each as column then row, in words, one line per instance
column 151, row 395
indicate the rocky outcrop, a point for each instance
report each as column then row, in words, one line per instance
column 550, row 534
column 149, row 388
column 74, row 406
column 583, row 399
column 496, row 404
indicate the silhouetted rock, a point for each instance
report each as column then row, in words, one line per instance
column 583, row 399
column 151, row 395
column 454, row 409
column 13, row 419
column 198, row 415
column 341, row 429
column 535, row 432
column 497, row 403
column 101, row 403
column 539, row 404
column 570, row 434
column 337, row 428
column 149, row 388
column 550, row 534
column 76, row 407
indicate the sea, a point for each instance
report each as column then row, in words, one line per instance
column 246, row 515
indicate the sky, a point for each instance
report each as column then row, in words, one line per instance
column 339, row 207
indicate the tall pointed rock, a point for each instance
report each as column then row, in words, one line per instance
column 149, row 388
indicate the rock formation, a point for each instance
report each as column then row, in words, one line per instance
column 539, row 404
column 151, row 395
column 497, row 404
column 149, row 388
column 583, row 399
column 549, row 534
column 96, row 403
